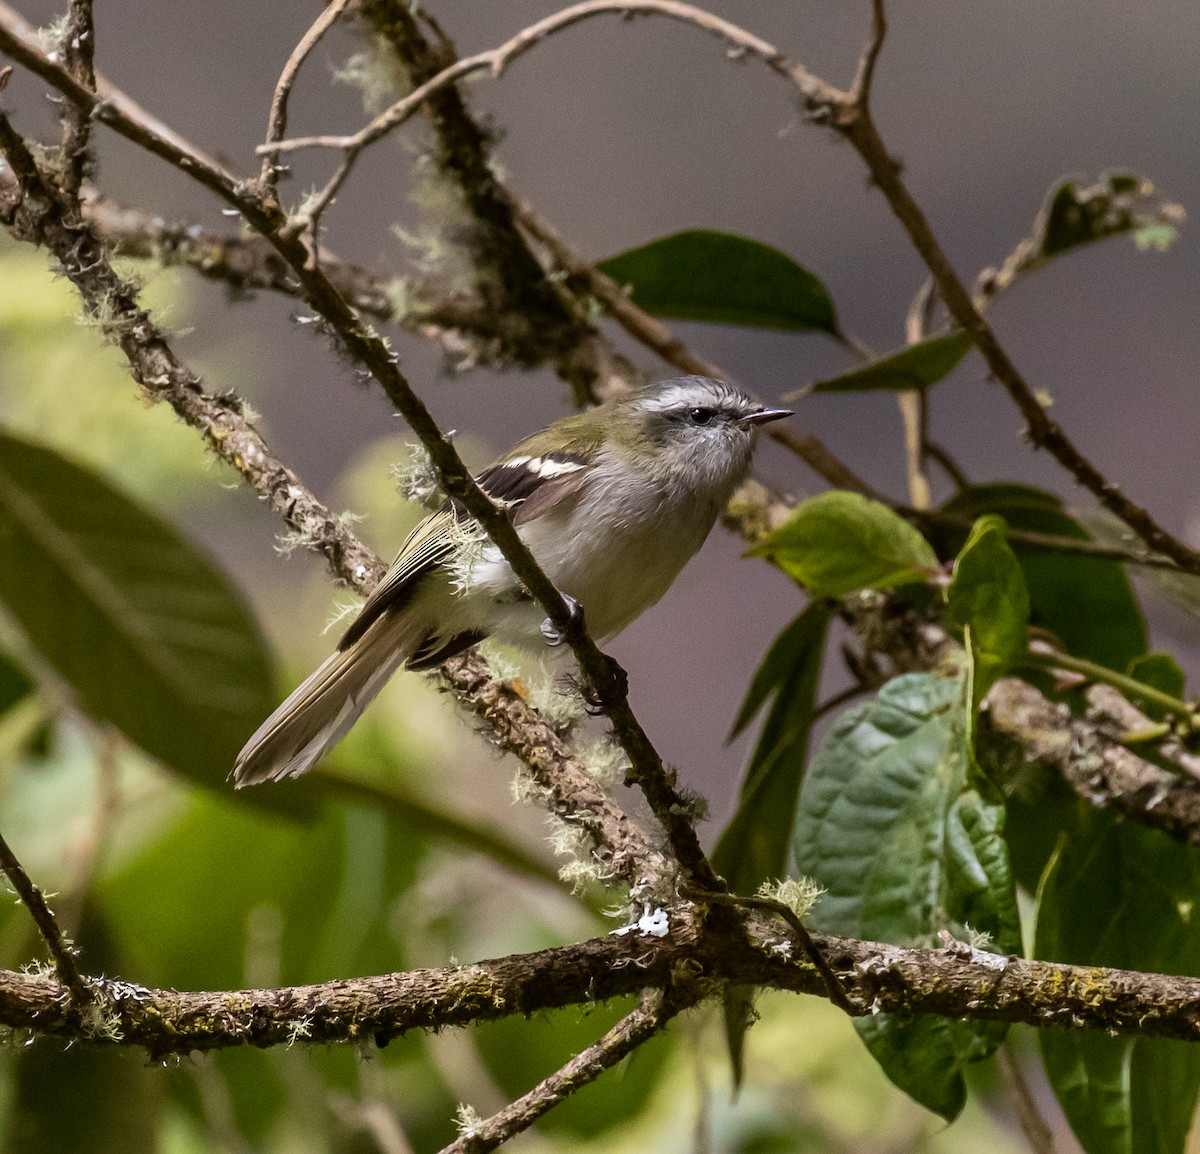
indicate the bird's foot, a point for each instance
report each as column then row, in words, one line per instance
column 555, row 636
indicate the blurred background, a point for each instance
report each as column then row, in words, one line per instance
column 618, row 133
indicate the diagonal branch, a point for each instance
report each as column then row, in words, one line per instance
column 508, row 277
column 512, row 724
column 62, row 952
column 850, row 115
column 625, row 1037
column 368, row 349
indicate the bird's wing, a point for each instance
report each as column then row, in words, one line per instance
column 427, row 546
column 529, row 486
column 526, row 487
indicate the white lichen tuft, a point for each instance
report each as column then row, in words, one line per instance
column 469, row 543
column 377, row 72
column 499, row 664
column 798, row 894
column 101, row 1022
column 977, row 939
column 417, row 480
column 561, row 707
column 343, row 611
column 467, row 1120
column 311, row 537
column 299, row 1029
column 605, row 760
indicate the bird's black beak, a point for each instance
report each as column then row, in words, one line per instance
column 764, row 416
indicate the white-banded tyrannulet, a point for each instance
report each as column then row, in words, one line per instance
column 612, row 503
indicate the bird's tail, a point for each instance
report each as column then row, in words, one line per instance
column 322, row 709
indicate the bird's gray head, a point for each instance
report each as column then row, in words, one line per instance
column 700, row 424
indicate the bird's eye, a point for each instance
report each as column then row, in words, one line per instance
column 701, row 416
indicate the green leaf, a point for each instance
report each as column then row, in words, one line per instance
column 839, row 542
column 715, row 276
column 916, row 367
column 1118, row 894
column 987, row 596
column 1160, row 671
column 1077, row 214
column 1087, row 602
column 753, row 848
column 903, row 848
column 147, row 630
column 754, row 845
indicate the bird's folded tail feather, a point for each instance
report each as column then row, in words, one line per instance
column 319, row 713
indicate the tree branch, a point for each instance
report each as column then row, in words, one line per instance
column 955, row 981
column 512, row 724
column 849, row 114
column 1019, row 724
column 277, row 120
column 78, row 49
column 62, row 952
column 366, row 348
column 625, row 1037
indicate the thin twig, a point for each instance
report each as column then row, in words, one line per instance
column 277, row 121
column 625, row 1037
column 496, row 60
column 860, row 90
column 914, row 403
column 1045, row 542
column 1033, row 1125
column 62, row 952
column 852, row 119
column 833, row 985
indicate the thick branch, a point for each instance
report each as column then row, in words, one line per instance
column 956, row 982
column 1019, row 724
column 508, row 277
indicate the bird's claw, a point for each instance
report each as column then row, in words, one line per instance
column 555, row 636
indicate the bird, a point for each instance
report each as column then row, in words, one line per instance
column 612, row 502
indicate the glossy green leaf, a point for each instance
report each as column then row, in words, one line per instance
column 903, row 848
column 839, row 542
column 715, row 276
column 143, row 625
column 916, row 367
column 1118, row 894
column 753, row 848
column 1087, row 602
column 1160, row 671
column 988, row 597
